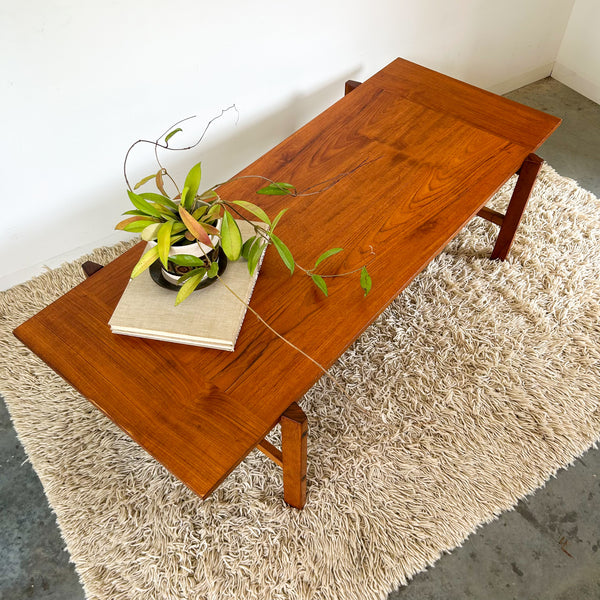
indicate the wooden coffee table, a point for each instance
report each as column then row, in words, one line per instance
column 432, row 149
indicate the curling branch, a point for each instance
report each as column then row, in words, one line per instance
column 156, row 143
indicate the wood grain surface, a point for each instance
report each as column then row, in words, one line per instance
column 432, row 151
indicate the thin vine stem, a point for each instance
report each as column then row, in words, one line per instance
column 312, row 272
column 295, row 194
column 292, row 345
column 335, row 180
column 166, row 146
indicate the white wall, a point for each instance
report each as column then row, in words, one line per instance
column 578, row 61
column 81, row 81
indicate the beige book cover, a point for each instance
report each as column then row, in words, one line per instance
column 210, row 317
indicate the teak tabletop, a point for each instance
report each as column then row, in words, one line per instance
column 430, row 150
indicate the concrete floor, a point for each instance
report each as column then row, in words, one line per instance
column 547, row 548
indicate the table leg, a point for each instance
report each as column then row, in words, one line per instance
column 89, row 267
column 509, row 222
column 350, row 85
column 294, row 431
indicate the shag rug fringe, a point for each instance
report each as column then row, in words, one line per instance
column 472, row 389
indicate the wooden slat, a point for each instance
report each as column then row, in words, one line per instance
column 271, row 451
column 489, row 214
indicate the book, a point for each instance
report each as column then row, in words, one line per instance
column 210, row 317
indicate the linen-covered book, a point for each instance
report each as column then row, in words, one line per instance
column 210, row 317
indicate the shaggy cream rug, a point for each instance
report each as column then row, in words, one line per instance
column 471, row 390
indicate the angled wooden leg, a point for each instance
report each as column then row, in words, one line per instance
column 510, row 222
column 89, row 267
column 292, row 456
column 294, row 431
column 350, row 85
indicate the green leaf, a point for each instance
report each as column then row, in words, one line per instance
column 188, row 287
column 284, row 252
column 143, row 181
column 145, row 261
column 277, row 189
column 320, row 283
column 191, row 273
column 326, row 255
column 178, row 227
column 184, row 195
column 214, row 212
column 191, row 185
column 171, row 134
column 365, row 280
column 165, row 213
column 137, row 226
column 213, row 269
column 255, row 254
column 231, row 238
column 247, row 245
column 276, row 219
column 194, row 227
column 151, row 231
column 135, row 212
column 130, row 220
column 142, row 205
column 187, row 260
column 257, row 211
column 159, row 199
column 208, row 195
column 199, row 212
column 163, row 241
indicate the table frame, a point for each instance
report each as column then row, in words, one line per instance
column 292, row 457
column 219, row 437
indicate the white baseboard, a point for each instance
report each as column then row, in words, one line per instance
column 11, row 279
column 576, row 82
column 519, row 81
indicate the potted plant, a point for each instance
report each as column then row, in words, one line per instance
column 193, row 234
